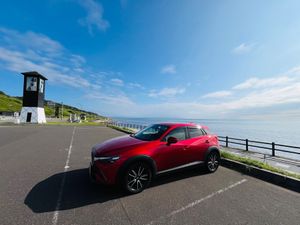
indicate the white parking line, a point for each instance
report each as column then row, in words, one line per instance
column 197, row 202
column 62, row 184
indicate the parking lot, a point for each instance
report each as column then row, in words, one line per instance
column 44, row 180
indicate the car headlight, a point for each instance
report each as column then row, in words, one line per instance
column 110, row 159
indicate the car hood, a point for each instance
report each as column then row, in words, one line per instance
column 116, row 145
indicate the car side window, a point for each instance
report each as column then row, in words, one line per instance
column 195, row 132
column 178, row 133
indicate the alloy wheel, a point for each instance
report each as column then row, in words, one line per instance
column 212, row 162
column 138, row 177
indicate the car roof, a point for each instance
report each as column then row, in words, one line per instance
column 174, row 124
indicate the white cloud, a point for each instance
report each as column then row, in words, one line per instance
column 294, row 71
column 29, row 39
column 217, row 94
column 262, row 83
column 111, row 99
column 243, row 48
column 166, row 92
column 257, row 93
column 94, row 16
column 267, row 97
column 117, row 82
column 136, row 85
column 277, row 101
column 20, row 52
column 77, row 60
column 168, row 69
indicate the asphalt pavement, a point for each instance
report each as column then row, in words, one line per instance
column 44, row 180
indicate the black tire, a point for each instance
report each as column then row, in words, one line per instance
column 212, row 161
column 137, row 177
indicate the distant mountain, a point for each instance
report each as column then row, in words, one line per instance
column 14, row 104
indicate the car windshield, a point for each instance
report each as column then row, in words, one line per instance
column 151, row 133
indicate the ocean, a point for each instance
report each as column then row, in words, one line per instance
column 285, row 132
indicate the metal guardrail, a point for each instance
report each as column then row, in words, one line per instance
column 272, row 146
column 128, row 125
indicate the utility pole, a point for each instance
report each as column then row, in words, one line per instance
column 62, row 110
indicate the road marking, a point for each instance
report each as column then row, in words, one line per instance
column 62, row 184
column 197, row 202
column 125, row 211
column 282, row 165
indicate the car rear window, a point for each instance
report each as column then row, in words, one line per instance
column 195, row 132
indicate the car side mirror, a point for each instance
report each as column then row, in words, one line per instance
column 172, row 140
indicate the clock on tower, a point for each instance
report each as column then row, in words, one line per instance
column 33, row 98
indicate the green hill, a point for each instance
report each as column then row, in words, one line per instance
column 9, row 104
column 14, row 104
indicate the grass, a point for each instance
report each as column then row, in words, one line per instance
column 258, row 164
column 9, row 104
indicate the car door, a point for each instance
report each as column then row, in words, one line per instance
column 198, row 143
column 172, row 155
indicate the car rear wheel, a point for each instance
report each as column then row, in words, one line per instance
column 212, row 161
column 137, row 177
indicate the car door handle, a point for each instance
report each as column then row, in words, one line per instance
column 185, row 147
column 207, row 141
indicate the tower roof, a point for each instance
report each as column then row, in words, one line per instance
column 35, row 74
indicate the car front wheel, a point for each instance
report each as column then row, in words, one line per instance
column 212, row 161
column 137, row 177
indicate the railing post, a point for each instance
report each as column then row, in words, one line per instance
column 226, row 141
column 273, row 149
column 247, row 145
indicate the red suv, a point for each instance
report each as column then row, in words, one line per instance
column 133, row 160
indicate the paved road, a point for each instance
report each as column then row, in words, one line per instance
column 44, row 180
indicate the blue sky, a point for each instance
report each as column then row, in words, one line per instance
column 181, row 59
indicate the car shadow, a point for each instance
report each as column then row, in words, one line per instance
column 78, row 191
